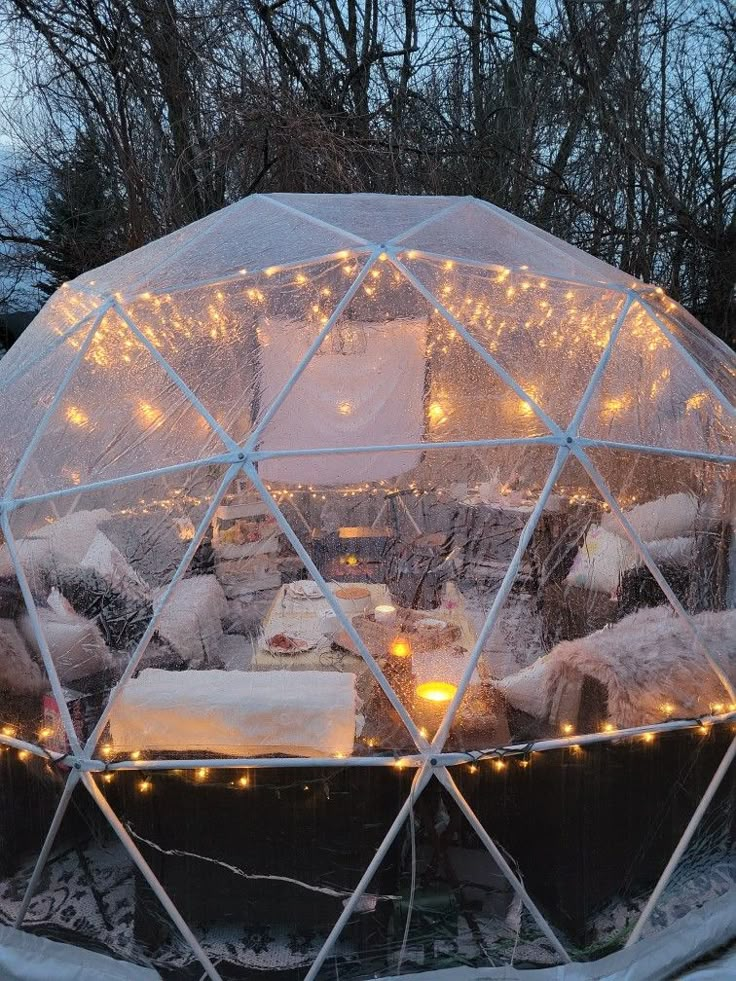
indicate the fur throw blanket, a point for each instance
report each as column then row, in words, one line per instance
column 645, row 662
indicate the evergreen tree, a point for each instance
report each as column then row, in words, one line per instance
column 83, row 221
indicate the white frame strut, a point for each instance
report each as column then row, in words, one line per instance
column 429, row 760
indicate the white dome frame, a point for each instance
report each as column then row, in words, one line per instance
column 430, row 760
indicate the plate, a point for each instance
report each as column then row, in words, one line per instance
column 287, row 645
column 304, row 590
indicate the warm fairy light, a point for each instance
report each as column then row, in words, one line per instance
column 648, row 737
column 144, row 786
column 717, row 708
column 107, row 777
column 243, row 781
column 499, row 765
column 45, row 733
column 201, row 773
column 436, row 413
column 473, row 768
column 382, row 257
column 106, row 750
column 351, row 560
column 615, row 405
column 149, row 414
column 9, row 731
column 76, row 416
column 668, row 708
column 696, row 401
column 436, row 691
column 400, row 647
column 568, row 728
column 524, row 408
column 135, row 755
column 576, row 749
column 703, row 730
column 23, row 755
column 345, row 408
column 399, row 764
column 608, row 727
column 524, row 763
column 424, row 733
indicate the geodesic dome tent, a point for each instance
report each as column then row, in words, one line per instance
column 366, row 602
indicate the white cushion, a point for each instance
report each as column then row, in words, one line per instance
column 666, row 517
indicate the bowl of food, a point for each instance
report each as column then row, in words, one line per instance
column 353, row 598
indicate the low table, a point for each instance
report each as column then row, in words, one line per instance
column 303, row 619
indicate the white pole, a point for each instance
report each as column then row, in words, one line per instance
column 646, row 555
column 344, row 620
column 158, row 608
column 683, row 843
column 476, row 346
column 514, row 881
column 421, row 779
column 71, row 782
column 500, row 598
column 147, row 873
column 310, row 352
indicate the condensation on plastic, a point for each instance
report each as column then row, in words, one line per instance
column 547, row 334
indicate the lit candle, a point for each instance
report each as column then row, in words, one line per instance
column 385, row 613
column 436, row 691
column 400, row 647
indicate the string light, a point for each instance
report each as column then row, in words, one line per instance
column 144, row 786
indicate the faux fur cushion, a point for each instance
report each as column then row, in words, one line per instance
column 20, row 674
column 121, row 618
column 666, row 517
column 76, row 645
column 11, row 598
column 644, row 662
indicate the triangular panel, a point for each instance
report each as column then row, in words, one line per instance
column 553, row 671
column 243, row 662
column 438, row 900
column 254, row 234
column 481, row 233
column 547, row 334
column 377, row 218
column 589, row 829
column 120, row 414
column 390, row 372
column 216, row 338
column 418, row 562
column 649, row 394
column 97, row 563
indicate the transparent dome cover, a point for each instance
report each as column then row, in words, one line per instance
column 324, row 487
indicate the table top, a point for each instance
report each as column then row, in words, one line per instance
column 303, row 618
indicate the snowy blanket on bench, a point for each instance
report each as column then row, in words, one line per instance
column 237, row 713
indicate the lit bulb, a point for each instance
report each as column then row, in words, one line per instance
column 144, row 786
column 9, row 731
column 45, row 733
column 436, row 413
column 135, row 755
column 648, row 737
column 499, row 765
column 243, row 781
column 473, row 768
column 201, row 773
column 400, row 647
column 107, row 777
column 608, row 727
column 345, row 408
column 567, row 728
column 23, row 755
